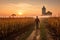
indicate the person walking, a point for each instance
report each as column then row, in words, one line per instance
column 36, row 28
column 37, row 22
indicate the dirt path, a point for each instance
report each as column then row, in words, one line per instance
column 35, row 35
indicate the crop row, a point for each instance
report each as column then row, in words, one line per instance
column 11, row 26
column 53, row 25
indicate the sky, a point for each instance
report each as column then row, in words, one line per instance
column 28, row 7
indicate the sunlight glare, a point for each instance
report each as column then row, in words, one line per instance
column 20, row 12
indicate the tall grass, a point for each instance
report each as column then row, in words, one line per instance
column 11, row 27
column 53, row 25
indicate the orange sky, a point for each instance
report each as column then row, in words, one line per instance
column 26, row 9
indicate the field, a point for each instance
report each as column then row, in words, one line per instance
column 50, row 28
column 21, row 28
column 53, row 25
column 11, row 27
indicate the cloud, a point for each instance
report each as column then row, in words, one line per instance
column 20, row 1
column 52, row 2
column 31, row 1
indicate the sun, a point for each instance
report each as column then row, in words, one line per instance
column 20, row 13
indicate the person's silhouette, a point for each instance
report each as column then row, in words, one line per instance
column 37, row 22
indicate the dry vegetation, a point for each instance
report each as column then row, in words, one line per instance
column 11, row 26
column 54, row 27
